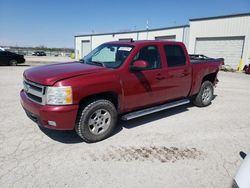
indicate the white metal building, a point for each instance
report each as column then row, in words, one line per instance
column 224, row 36
column 85, row 43
column 221, row 36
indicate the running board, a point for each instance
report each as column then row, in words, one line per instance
column 154, row 109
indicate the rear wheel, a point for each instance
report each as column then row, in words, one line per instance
column 205, row 95
column 96, row 120
column 13, row 62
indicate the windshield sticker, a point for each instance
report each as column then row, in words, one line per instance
column 125, row 48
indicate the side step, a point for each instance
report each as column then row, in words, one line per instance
column 154, row 109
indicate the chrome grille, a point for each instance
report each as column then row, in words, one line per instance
column 34, row 91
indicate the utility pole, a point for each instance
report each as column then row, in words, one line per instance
column 147, row 29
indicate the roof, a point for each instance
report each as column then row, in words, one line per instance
column 219, row 17
column 127, row 32
column 165, row 28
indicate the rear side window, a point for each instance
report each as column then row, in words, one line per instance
column 3, row 53
column 175, row 55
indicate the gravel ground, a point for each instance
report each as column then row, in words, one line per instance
column 181, row 147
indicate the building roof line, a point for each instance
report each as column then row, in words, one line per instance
column 164, row 28
column 219, row 17
column 137, row 31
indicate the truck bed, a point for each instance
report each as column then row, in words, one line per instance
column 200, row 58
column 203, row 66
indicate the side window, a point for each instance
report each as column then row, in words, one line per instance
column 175, row 55
column 3, row 53
column 151, row 55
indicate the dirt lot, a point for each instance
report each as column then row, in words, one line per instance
column 182, row 147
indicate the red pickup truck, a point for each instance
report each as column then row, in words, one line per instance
column 129, row 79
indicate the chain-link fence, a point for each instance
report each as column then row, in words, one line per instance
column 29, row 52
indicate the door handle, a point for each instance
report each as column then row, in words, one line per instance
column 160, row 77
column 185, row 73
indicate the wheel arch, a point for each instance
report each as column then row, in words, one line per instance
column 108, row 95
column 198, row 81
column 210, row 77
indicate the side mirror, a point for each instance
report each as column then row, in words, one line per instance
column 139, row 65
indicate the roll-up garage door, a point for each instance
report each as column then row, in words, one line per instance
column 86, row 47
column 229, row 48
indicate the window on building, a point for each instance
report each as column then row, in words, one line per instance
column 126, row 39
column 166, row 38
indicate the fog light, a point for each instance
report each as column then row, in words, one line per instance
column 52, row 123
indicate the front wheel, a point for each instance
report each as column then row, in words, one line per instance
column 205, row 95
column 96, row 120
column 13, row 63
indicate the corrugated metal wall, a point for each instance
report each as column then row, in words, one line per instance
column 96, row 40
column 222, row 28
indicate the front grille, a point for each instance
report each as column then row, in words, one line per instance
column 35, row 98
column 34, row 91
column 39, row 89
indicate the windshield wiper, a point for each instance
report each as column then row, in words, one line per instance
column 82, row 60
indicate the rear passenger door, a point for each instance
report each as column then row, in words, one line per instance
column 178, row 72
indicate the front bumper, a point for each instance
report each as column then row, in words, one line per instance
column 64, row 116
column 21, row 61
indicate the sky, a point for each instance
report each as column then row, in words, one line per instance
column 54, row 23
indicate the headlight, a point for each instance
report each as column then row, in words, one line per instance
column 59, row 95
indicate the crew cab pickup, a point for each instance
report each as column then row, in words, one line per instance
column 125, row 79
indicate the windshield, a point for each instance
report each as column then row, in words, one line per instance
column 108, row 55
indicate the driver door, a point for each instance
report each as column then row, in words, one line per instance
column 146, row 87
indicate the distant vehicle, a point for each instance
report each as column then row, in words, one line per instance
column 39, row 53
column 10, row 58
column 247, row 69
column 241, row 179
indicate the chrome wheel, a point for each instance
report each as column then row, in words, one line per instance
column 207, row 94
column 99, row 121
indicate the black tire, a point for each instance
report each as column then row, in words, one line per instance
column 13, row 62
column 205, row 95
column 103, row 114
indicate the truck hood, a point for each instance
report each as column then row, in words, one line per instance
column 50, row 74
